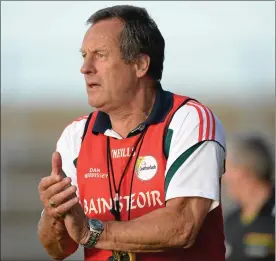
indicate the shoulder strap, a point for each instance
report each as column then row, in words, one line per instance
column 84, row 133
column 86, row 126
column 168, row 124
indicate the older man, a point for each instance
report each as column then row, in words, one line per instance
column 143, row 170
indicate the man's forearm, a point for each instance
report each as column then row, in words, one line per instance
column 153, row 232
column 174, row 226
column 55, row 239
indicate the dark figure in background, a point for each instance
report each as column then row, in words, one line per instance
column 250, row 230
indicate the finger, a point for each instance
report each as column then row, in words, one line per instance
column 56, row 188
column 59, row 215
column 47, row 182
column 63, row 196
column 56, row 164
column 64, row 208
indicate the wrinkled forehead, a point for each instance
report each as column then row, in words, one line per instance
column 104, row 33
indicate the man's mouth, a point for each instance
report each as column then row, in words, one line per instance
column 93, row 85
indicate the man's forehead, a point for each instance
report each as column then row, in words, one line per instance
column 108, row 25
column 106, row 30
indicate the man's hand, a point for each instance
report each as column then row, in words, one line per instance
column 56, row 193
column 76, row 223
column 60, row 201
column 58, row 197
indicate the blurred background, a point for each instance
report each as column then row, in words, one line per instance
column 221, row 53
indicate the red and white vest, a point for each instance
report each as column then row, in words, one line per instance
column 146, row 196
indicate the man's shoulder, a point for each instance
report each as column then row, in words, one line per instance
column 70, row 139
column 195, row 117
column 76, row 127
column 194, row 110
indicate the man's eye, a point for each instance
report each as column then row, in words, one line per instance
column 100, row 55
column 83, row 55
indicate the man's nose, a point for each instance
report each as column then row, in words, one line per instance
column 88, row 66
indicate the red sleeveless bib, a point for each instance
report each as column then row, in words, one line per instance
column 146, row 173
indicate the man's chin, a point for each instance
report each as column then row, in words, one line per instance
column 96, row 104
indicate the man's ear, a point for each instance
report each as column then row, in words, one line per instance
column 142, row 64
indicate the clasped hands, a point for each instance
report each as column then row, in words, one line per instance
column 61, row 203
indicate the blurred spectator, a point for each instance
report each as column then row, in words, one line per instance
column 250, row 230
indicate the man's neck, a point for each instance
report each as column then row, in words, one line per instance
column 255, row 198
column 129, row 116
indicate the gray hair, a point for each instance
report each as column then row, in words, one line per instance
column 140, row 35
column 254, row 152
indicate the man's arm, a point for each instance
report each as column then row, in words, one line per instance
column 54, row 238
column 52, row 232
column 174, row 226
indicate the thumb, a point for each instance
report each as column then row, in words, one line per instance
column 56, row 164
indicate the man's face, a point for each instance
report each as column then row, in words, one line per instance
column 110, row 82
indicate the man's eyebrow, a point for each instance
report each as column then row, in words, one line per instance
column 100, row 48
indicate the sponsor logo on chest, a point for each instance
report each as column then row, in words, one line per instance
column 122, row 153
column 146, row 168
column 135, row 201
column 95, row 172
